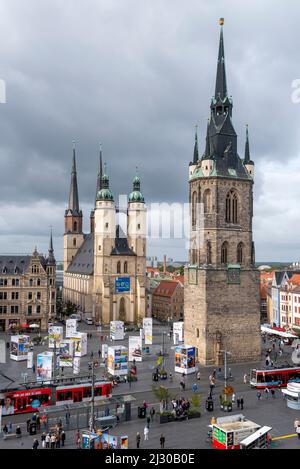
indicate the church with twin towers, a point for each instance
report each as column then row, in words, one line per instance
column 105, row 269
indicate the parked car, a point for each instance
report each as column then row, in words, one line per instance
column 76, row 316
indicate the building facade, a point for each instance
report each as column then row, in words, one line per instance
column 167, row 301
column 222, row 298
column 27, row 290
column 105, row 270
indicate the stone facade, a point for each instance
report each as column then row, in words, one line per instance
column 27, row 291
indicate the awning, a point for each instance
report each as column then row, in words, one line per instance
column 255, row 436
column 290, row 393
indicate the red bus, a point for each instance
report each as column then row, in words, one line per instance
column 275, row 378
column 30, row 400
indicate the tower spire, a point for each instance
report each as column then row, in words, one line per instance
column 100, row 172
column 51, row 258
column 207, row 151
column 247, row 148
column 221, row 86
column 196, row 152
column 73, row 196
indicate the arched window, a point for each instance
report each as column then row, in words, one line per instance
column 118, row 267
column 74, row 242
column 75, row 226
column 194, row 208
column 239, row 253
column 125, row 267
column 208, row 252
column 231, row 215
column 38, row 282
column 224, row 253
column 207, row 201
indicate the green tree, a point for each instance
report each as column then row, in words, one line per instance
column 163, row 395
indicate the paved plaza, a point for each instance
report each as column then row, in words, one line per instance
column 180, row 434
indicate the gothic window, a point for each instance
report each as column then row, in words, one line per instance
column 224, row 253
column 125, row 267
column 74, row 242
column 194, row 209
column 208, row 252
column 75, row 226
column 38, row 282
column 30, row 282
column 194, row 256
column 231, row 207
column 239, row 256
column 207, row 201
column 118, row 267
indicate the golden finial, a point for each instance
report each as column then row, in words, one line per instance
column 221, row 21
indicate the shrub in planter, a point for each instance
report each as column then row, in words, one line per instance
column 163, row 374
column 193, row 413
column 165, row 417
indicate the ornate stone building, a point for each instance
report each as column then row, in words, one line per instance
column 222, row 298
column 105, row 270
column 27, row 290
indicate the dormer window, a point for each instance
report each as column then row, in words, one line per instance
column 4, row 270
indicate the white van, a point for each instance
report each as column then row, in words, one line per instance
column 76, row 316
column 89, row 321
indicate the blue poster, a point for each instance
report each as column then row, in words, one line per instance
column 122, row 284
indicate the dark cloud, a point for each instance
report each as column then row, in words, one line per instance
column 137, row 76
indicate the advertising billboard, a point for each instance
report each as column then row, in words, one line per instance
column 177, row 332
column 66, row 353
column 19, row 347
column 71, row 327
column 30, row 359
column 76, row 365
column 185, row 359
column 116, row 330
column 147, row 326
column 135, row 348
column 44, row 366
column 104, row 350
column 122, row 284
column 109, row 441
column 55, row 335
column 124, row 442
column 117, row 360
column 80, row 343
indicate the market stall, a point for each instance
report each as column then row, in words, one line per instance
column 229, row 432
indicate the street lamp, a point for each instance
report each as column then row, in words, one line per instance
column 225, row 365
column 163, row 350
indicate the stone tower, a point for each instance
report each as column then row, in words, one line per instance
column 221, row 300
column 73, row 236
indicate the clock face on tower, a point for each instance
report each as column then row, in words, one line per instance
column 192, row 276
column 233, row 275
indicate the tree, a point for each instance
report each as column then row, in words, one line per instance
column 181, row 270
column 163, row 395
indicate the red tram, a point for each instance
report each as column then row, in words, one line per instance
column 30, row 400
column 275, row 378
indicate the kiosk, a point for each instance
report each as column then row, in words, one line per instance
column 117, row 360
column 177, row 332
column 229, row 432
column 116, row 330
column 80, row 343
column 185, row 357
column 19, row 347
column 292, row 393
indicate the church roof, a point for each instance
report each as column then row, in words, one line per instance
column 83, row 262
column 121, row 244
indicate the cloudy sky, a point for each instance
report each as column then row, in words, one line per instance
column 137, row 76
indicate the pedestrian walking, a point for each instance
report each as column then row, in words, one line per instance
column 242, row 403
column 68, row 416
column 57, row 440
column 230, row 373
column 298, row 431
column 18, row 432
column 273, row 393
column 296, row 424
column 77, row 437
column 35, row 443
column 152, row 413
column 52, row 441
column 238, row 402
column 138, row 440
column 162, row 441
column 10, row 427
column 258, row 395
column 38, row 422
column 245, row 378
column 198, row 375
column 28, row 421
column 33, row 368
column 148, row 421
column 99, row 354
column 5, row 429
column 267, row 392
column 146, row 433
column 233, row 398
column 47, row 440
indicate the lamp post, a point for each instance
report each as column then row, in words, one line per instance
column 163, row 350
column 225, row 365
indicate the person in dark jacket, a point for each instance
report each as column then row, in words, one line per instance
column 63, row 438
column 35, row 443
column 138, row 439
column 162, row 441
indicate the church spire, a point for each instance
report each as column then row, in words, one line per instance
column 247, row 148
column 100, row 172
column 196, row 153
column 51, row 258
column 207, row 152
column 221, row 86
column 73, row 196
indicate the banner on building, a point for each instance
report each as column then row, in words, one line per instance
column 71, row 327
column 135, row 348
column 148, row 330
column 44, row 366
column 55, row 336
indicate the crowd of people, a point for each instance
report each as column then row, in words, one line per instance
column 53, row 439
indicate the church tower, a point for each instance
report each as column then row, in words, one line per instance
column 221, row 298
column 73, row 236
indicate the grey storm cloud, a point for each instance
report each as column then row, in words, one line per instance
column 137, row 76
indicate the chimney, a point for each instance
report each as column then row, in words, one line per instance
column 165, row 265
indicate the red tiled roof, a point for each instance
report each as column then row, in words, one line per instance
column 166, row 288
column 295, row 279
